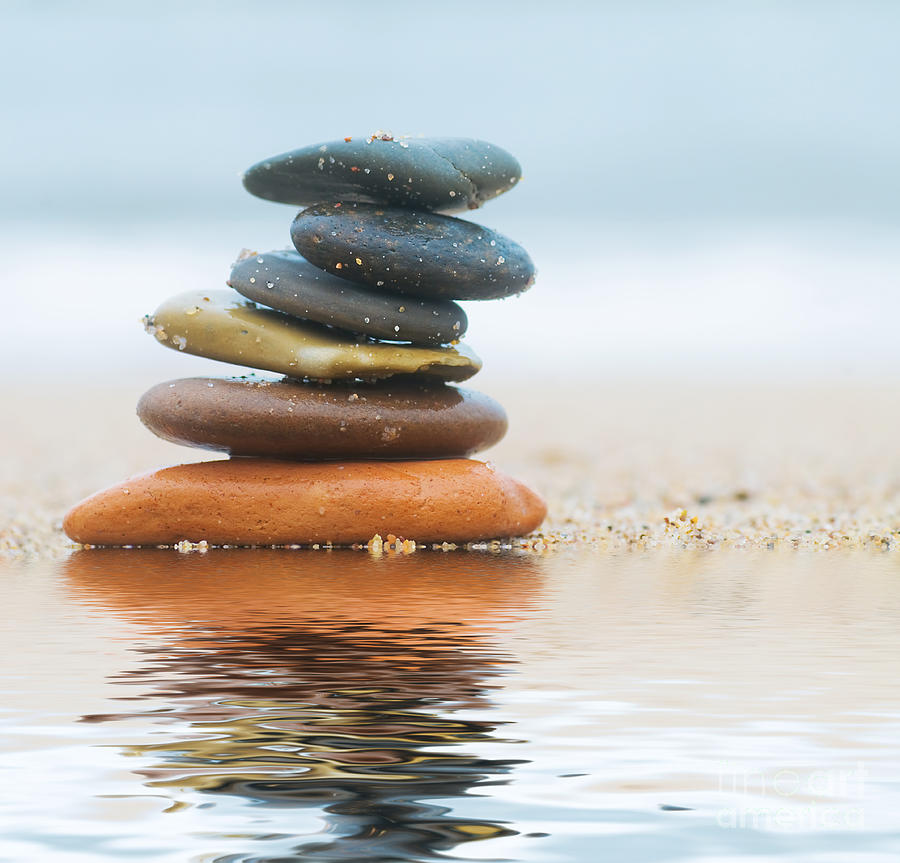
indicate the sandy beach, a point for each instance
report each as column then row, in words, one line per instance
column 622, row 466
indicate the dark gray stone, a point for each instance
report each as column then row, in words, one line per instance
column 412, row 252
column 287, row 282
column 443, row 174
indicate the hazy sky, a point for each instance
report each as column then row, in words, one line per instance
column 639, row 109
column 709, row 184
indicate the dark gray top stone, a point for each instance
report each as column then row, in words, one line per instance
column 412, row 252
column 287, row 282
column 443, row 174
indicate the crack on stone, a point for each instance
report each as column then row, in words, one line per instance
column 475, row 198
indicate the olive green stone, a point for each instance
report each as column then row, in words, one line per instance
column 222, row 325
column 444, row 174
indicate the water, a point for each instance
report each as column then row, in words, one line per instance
column 281, row 706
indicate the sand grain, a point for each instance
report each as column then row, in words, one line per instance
column 621, row 466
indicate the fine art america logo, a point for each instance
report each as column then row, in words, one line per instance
column 794, row 799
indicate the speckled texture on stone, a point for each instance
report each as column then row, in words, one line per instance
column 401, row 418
column 444, row 174
column 250, row 501
column 412, row 252
column 223, row 325
column 285, row 281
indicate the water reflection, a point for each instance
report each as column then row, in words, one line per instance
column 327, row 681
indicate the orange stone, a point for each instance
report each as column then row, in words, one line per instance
column 251, row 501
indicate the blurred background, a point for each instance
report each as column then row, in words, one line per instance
column 711, row 186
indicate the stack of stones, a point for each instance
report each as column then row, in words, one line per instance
column 365, row 435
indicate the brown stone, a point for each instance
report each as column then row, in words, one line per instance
column 268, row 502
column 401, row 418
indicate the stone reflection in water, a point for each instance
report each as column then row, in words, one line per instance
column 320, row 680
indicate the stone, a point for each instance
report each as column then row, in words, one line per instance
column 412, row 252
column 402, row 418
column 270, row 502
column 287, row 282
column 222, row 325
column 445, row 174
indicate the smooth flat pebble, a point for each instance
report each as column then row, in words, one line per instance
column 412, row 251
column 223, row 325
column 286, row 281
column 402, row 418
column 445, row 174
column 270, row 502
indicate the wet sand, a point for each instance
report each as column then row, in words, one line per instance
column 623, row 466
